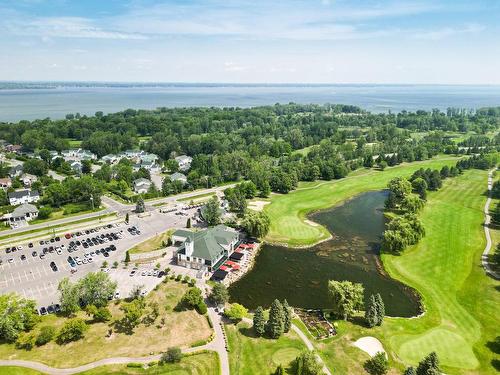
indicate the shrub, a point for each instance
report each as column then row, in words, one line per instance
column 44, row 212
column 178, row 277
column 46, row 335
column 377, row 365
column 172, row 355
column 26, row 341
column 73, row 330
column 201, row 307
column 134, row 365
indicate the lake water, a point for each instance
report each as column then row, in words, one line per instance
column 301, row 275
column 29, row 103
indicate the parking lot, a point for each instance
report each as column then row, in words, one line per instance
column 34, row 278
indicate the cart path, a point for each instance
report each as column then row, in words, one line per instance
column 487, row 221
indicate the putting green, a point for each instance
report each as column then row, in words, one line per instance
column 285, row 355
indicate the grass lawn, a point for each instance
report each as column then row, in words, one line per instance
column 74, row 143
column 68, row 210
column 256, row 355
column 206, row 363
column 288, row 211
column 461, row 303
column 179, row 329
column 152, row 244
column 195, row 198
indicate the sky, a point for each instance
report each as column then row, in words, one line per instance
column 251, row 41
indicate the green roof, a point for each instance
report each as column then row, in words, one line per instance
column 207, row 243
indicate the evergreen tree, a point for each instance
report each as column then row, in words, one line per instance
column 429, row 365
column 127, row 257
column 287, row 323
column 188, row 223
column 140, row 207
column 259, row 323
column 410, row 371
column 279, row 370
column 371, row 312
column 126, row 218
column 275, row 324
column 380, row 308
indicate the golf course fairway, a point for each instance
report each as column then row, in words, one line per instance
column 461, row 303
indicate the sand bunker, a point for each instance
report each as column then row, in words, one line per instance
column 370, row 345
column 257, row 205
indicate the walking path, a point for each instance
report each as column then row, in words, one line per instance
column 487, row 220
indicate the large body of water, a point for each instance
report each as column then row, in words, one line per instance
column 32, row 103
column 301, row 275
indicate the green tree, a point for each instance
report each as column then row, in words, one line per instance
column 212, row 212
column 140, row 206
column 95, row 289
column 86, row 166
column 287, row 316
column 380, row 307
column 275, row 324
column 219, row 294
column 256, row 224
column 127, row 257
column 192, row 298
column 429, row 365
column 44, row 212
column 279, row 370
column 132, row 313
column 307, row 364
column 371, row 313
column 346, row 296
column 188, row 223
column 26, row 341
column 236, row 312
column 259, row 322
column 382, row 165
column 73, row 330
column 412, row 204
column 36, row 167
column 399, row 188
column 172, row 355
column 46, row 335
column 410, row 371
column 420, row 187
column 69, row 297
column 127, row 218
column 377, row 365
column 265, row 189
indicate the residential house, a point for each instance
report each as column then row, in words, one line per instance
column 184, row 162
column 13, row 148
column 142, row 185
column 16, row 170
column 28, row 179
column 110, row 159
column 178, row 177
column 25, row 212
column 23, row 196
column 78, row 154
column 206, row 249
column 76, row 166
column 5, row 183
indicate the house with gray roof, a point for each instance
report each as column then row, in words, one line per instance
column 184, row 162
column 25, row 212
column 23, row 196
column 206, row 249
column 142, row 185
column 178, row 177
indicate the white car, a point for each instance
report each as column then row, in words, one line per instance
column 59, row 251
column 117, row 295
column 19, row 247
column 79, row 262
column 85, row 261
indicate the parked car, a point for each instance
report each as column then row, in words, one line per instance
column 53, row 266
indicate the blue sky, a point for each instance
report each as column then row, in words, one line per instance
column 317, row 41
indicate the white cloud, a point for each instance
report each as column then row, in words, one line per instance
column 65, row 27
column 446, row 32
column 230, row 66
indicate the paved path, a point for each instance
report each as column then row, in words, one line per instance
column 487, row 221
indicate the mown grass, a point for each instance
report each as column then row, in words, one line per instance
column 288, row 211
column 179, row 329
column 152, row 244
column 251, row 355
column 13, row 370
column 206, row 363
column 461, row 303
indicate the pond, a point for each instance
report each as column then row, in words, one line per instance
column 301, row 275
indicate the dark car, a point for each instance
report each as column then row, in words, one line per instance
column 51, row 309
column 43, row 311
column 34, row 254
column 30, row 245
column 106, row 254
column 41, row 242
column 7, row 250
column 53, row 266
column 57, row 307
column 23, row 257
column 161, row 274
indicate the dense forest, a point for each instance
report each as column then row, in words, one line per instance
column 273, row 146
